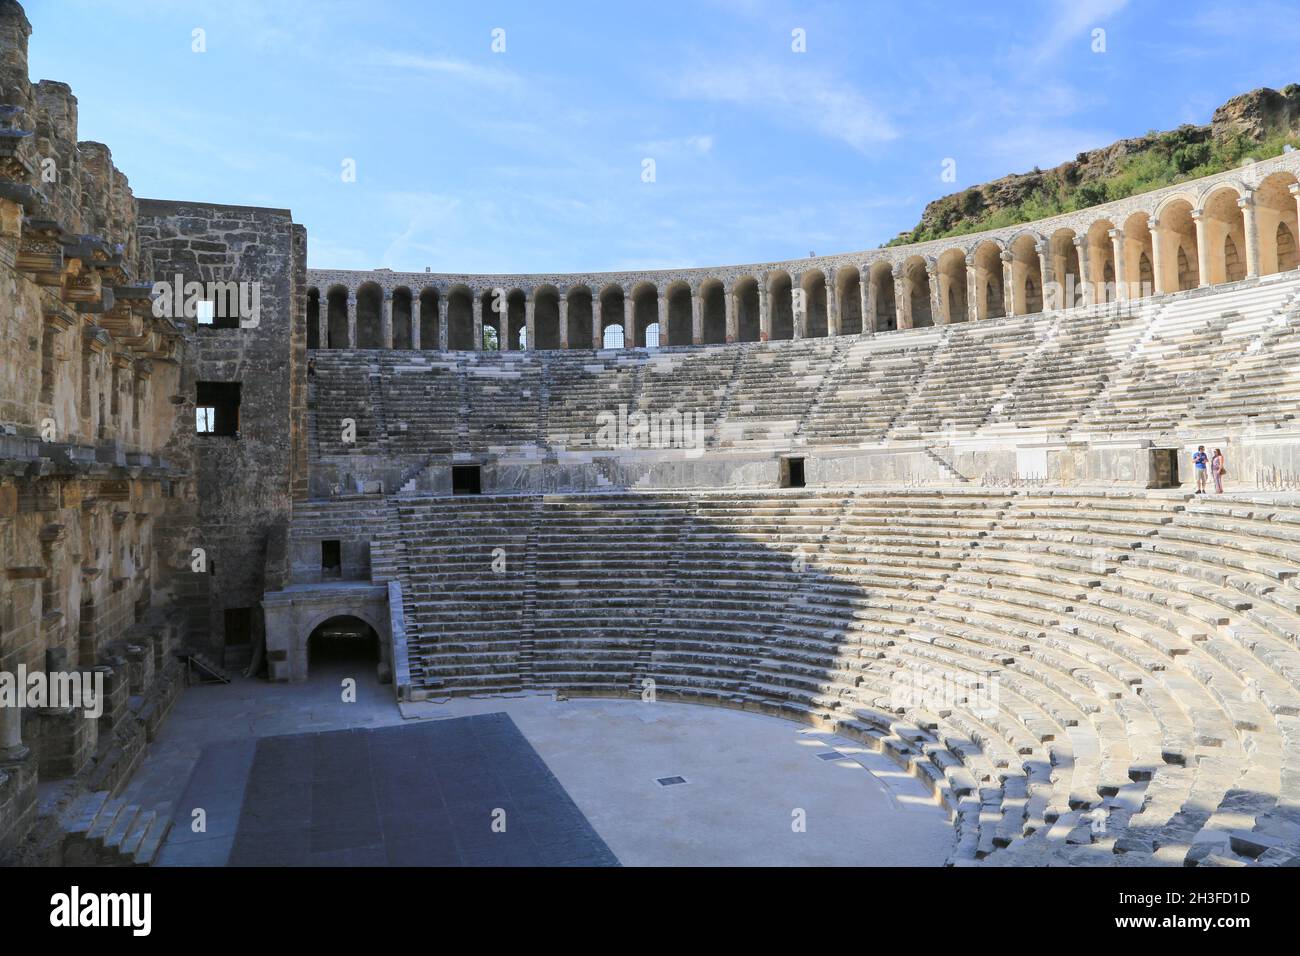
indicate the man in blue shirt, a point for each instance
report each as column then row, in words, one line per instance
column 1200, row 460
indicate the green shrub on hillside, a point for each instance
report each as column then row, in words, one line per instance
column 1175, row 157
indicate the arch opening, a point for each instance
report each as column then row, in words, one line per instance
column 460, row 319
column 1275, row 218
column 402, row 318
column 370, row 307
column 336, row 318
column 680, row 320
column 748, row 325
column 713, row 308
column 429, row 319
column 342, row 641
column 848, row 296
column 546, row 318
column 579, row 318
column 780, row 304
column 815, row 314
column 882, row 292
column 313, row 318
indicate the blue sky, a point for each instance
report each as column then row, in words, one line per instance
column 531, row 159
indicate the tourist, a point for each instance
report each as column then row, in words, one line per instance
column 1200, row 460
column 1217, row 467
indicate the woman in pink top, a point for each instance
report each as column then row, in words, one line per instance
column 1218, row 470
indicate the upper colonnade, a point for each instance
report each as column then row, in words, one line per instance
column 1233, row 225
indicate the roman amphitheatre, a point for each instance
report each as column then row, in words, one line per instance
column 888, row 557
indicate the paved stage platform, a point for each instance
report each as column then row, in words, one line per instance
column 468, row 791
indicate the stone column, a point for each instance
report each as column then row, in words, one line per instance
column 1047, row 274
column 629, row 321
column 832, row 309
column 731, row 307
column 697, row 317
column 1295, row 191
column 444, row 333
column 597, row 333
column 530, row 322
column 972, row 290
column 386, row 320
column 867, row 293
column 1157, row 256
column 798, row 308
column 764, row 315
column 1008, row 282
column 564, row 322
column 661, row 312
column 323, row 323
column 1121, row 269
column 11, row 733
column 1202, row 248
column 902, row 299
column 415, row 322
column 938, row 308
column 1247, row 206
column 1082, row 251
column 352, row 319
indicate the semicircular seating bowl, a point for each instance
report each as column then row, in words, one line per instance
column 1091, row 677
column 1082, row 676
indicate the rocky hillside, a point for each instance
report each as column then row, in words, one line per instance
column 1257, row 124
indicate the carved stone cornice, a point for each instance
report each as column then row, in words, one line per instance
column 60, row 320
column 94, row 339
column 15, row 145
column 40, row 251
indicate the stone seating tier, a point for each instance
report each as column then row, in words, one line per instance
column 1222, row 358
column 1082, row 676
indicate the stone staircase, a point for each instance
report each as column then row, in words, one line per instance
column 968, row 374
column 101, row 830
column 1190, row 346
column 771, row 392
column 873, row 382
column 1070, row 369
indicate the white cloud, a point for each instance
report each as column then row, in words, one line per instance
column 1069, row 19
column 447, row 67
column 797, row 96
column 700, row 144
column 1043, row 146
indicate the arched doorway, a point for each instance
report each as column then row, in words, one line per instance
column 343, row 642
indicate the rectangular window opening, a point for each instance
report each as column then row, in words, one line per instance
column 466, row 479
column 331, row 559
column 216, row 409
column 239, row 626
column 792, row 475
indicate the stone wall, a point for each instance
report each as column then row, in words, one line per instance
column 245, row 482
column 89, row 482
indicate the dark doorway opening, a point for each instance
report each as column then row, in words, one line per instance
column 466, row 479
column 331, row 559
column 342, row 640
column 239, row 626
column 1164, row 468
column 792, row 473
column 238, row 650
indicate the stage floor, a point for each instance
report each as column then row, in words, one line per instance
column 470, row 791
column 288, row 774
